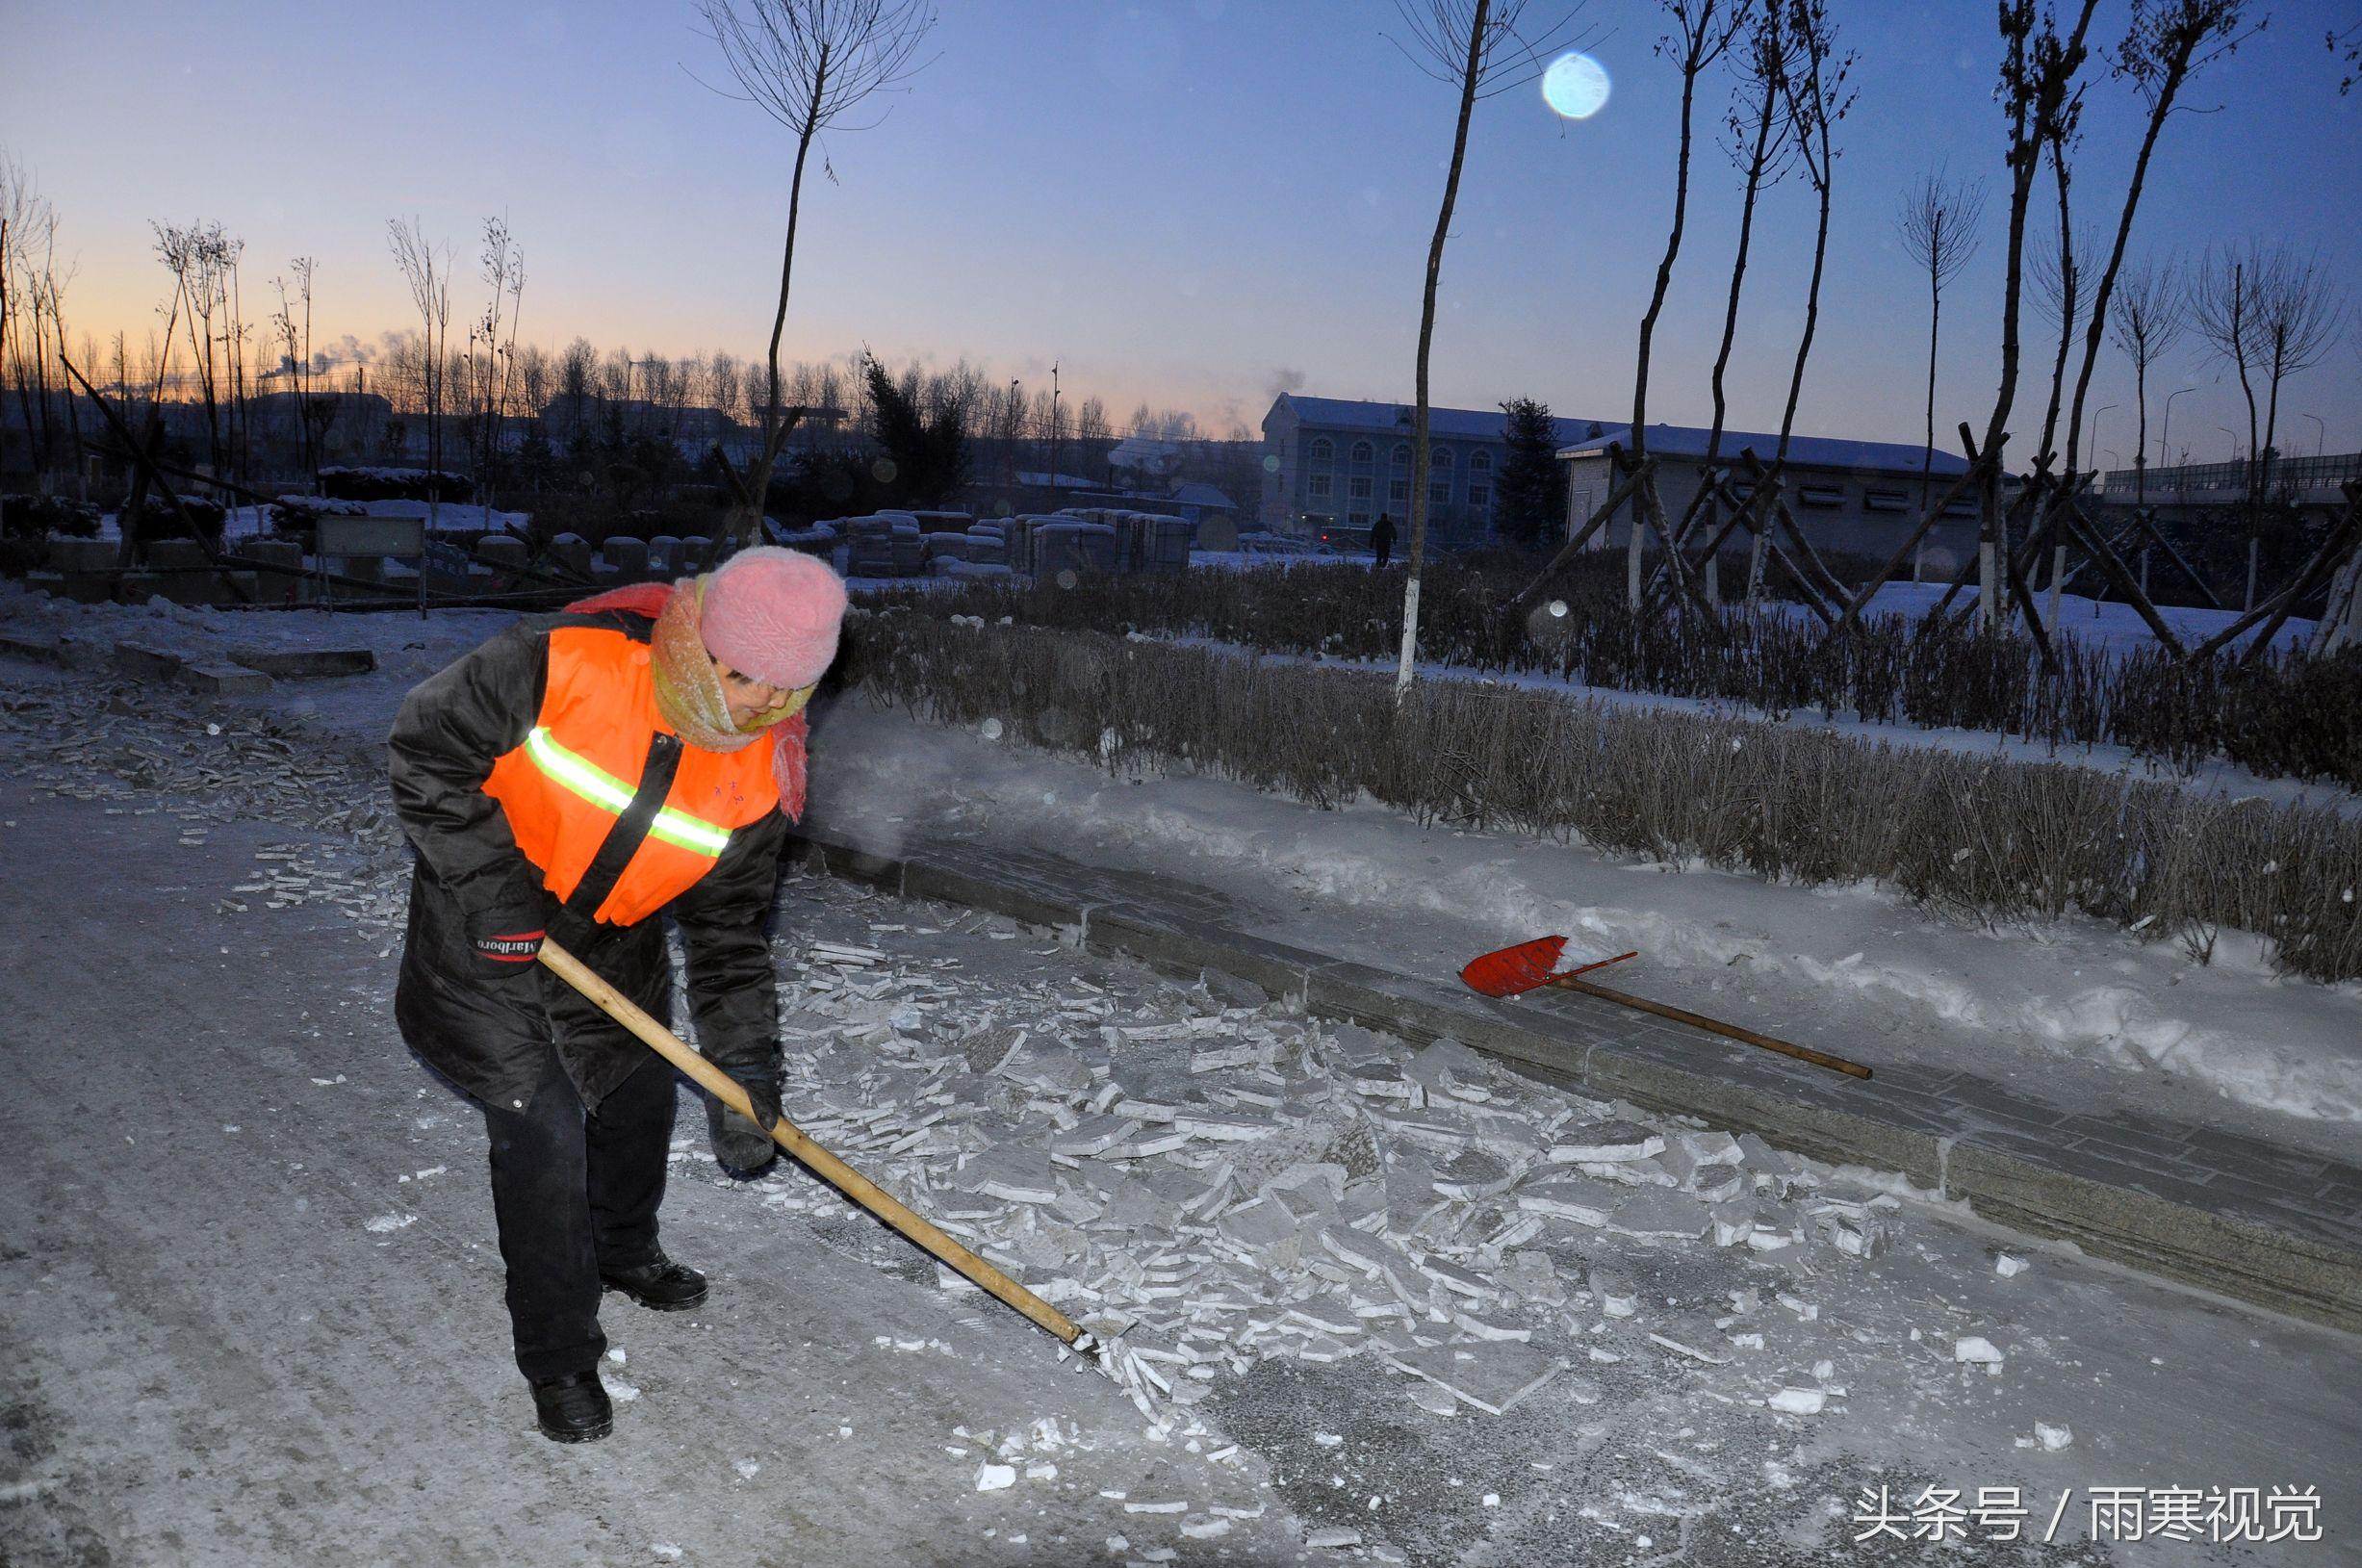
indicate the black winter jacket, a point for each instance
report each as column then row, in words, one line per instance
column 487, row 1034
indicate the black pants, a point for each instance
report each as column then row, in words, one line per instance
column 1381, row 549
column 576, row 1192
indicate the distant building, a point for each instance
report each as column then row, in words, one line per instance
column 1860, row 496
column 1335, row 461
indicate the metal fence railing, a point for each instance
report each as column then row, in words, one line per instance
column 2304, row 475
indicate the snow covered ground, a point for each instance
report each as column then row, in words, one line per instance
column 2091, row 1013
column 2094, row 1016
column 1411, row 1307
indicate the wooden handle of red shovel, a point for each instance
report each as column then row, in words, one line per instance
column 838, row 1174
column 1712, row 1026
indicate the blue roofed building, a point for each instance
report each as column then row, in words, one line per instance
column 1331, row 465
column 1859, row 497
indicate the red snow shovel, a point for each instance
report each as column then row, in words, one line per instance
column 1513, row 971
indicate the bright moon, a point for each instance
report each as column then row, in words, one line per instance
column 1575, row 85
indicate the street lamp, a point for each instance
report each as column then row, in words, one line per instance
column 2320, row 435
column 2092, row 444
column 2234, row 435
column 2165, row 448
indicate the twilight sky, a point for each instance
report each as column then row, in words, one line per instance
column 1189, row 202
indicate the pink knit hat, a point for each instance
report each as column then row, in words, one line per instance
column 773, row 614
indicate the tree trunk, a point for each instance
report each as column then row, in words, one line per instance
column 1427, row 335
column 1691, row 63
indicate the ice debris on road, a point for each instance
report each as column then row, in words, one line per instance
column 1220, row 1185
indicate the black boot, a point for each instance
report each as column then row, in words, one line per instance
column 574, row 1407
column 662, row 1286
column 739, row 1147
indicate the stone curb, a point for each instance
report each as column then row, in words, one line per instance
column 2317, row 1280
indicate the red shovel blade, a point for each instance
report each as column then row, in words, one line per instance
column 1513, row 971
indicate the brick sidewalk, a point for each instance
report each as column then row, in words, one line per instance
column 2278, row 1228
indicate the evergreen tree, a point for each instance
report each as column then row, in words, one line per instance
column 1525, row 491
column 925, row 439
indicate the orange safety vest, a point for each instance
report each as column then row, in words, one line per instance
column 578, row 768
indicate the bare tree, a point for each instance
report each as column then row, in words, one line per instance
column 429, row 280
column 2062, row 278
column 24, row 217
column 808, row 64
column 1760, row 147
column 2146, row 317
column 2039, row 67
column 1701, row 32
column 2270, row 314
column 2167, row 42
column 296, row 358
column 1476, row 47
column 1819, row 97
column 2299, row 315
column 199, row 258
column 503, row 268
column 1939, row 229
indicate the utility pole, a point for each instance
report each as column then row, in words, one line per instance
column 1017, row 427
column 1053, row 435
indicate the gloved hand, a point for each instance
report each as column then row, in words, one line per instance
column 506, row 940
column 740, row 1147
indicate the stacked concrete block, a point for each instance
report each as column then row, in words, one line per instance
column 83, row 554
column 1074, row 545
column 573, row 552
column 665, row 554
column 625, row 556
column 175, row 554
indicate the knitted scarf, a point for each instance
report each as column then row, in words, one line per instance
column 689, row 690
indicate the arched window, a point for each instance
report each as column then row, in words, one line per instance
column 1321, row 452
column 1440, row 458
column 1363, row 451
column 1481, row 463
column 1402, row 454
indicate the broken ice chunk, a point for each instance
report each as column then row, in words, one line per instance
column 1491, row 1376
column 1976, row 1350
column 1473, row 1174
column 991, row 1477
column 2009, row 1265
column 1799, row 1401
column 1660, row 1212
column 1579, row 1198
column 2053, row 1438
column 1618, row 1295
column 1607, row 1141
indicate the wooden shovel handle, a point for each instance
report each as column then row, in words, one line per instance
column 838, row 1174
column 1712, row 1026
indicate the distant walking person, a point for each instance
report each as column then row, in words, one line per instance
column 583, row 775
column 1381, row 541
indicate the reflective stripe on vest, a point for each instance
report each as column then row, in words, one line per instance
column 594, row 783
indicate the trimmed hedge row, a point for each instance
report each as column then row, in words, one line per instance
column 1984, row 839
column 2285, row 715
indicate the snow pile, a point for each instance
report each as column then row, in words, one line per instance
column 2082, row 993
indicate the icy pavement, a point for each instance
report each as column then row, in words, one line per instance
column 1407, row 1305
